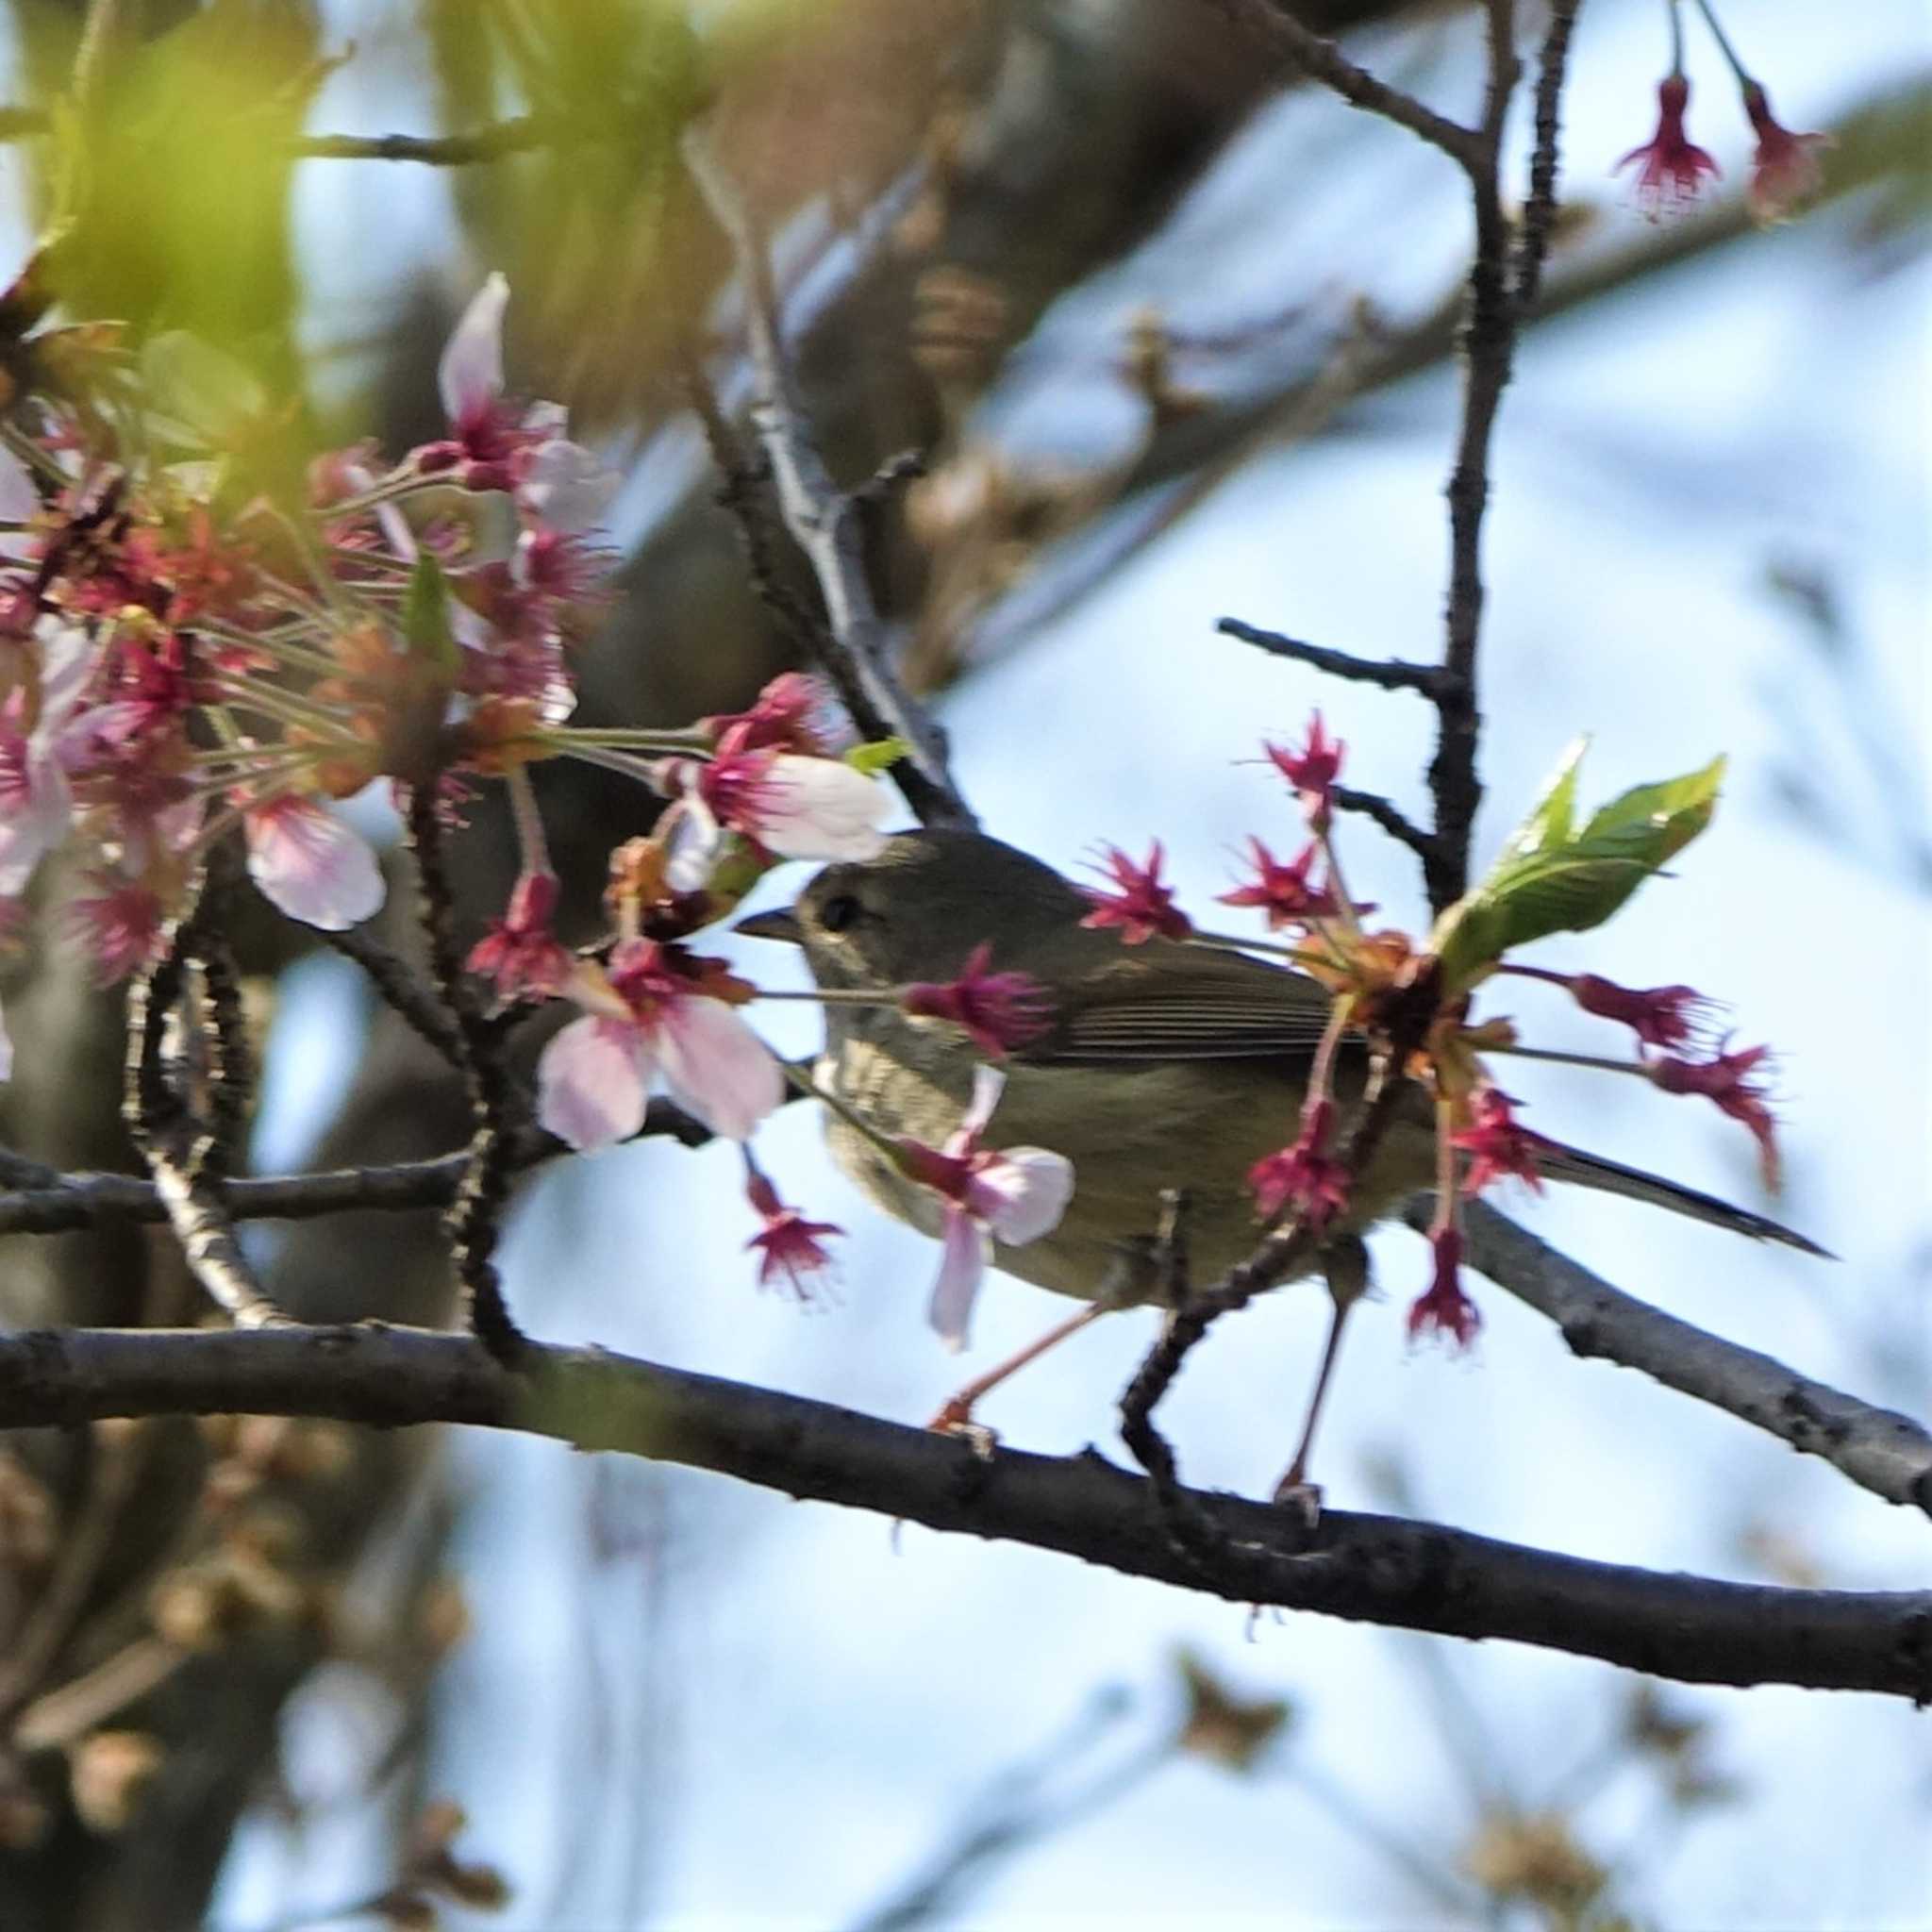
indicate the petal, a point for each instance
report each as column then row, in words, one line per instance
column 20, row 502
column 718, row 1067
column 470, row 375
column 692, row 844
column 818, row 808
column 592, row 1080
column 962, row 1266
column 310, row 865
column 39, row 807
column 1021, row 1193
column 989, row 1083
column 565, row 487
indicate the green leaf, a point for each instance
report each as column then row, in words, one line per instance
column 425, row 615
column 1551, row 817
column 1672, row 814
column 877, row 755
column 1551, row 878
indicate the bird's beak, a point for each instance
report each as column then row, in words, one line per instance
column 782, row 924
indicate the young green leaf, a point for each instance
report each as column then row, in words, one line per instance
column 1551, row 878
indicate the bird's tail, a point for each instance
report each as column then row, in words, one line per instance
column 1613, row 1177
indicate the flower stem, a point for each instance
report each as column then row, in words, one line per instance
column 1725, row 48
column 1596, row 1062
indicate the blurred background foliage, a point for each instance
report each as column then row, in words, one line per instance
column 1127, row 290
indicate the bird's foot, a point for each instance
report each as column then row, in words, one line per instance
column 955, row 1419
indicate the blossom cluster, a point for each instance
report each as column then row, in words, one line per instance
column 1481, row 1138
column 1672, row 169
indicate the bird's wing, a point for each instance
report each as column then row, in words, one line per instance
column 1184, row 1003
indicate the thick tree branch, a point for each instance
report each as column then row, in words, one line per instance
column 823, row 520
column 1419, row 1576
column 1878, row 1449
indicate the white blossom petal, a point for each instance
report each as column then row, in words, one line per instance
column 693, row 842
column 718, row 1067
column 989, row 1083
column 962, row 1267
column 1021, row 1193
column 820, row 808
column 37, row 808
column 469, row 377
column 592, row 1081
column 565, row 487
column 310, row 865
column 20, row 502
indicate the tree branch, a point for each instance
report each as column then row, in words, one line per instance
column 823, row 520
column 1540, row 210
column 1420, row 1576
column 1390, row 674
column 1323, row 60
column 1878, row 1449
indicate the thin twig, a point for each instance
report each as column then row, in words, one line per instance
column 475, row 1218
column 1389, row 816
column 1489, row 345
column 176, row 1145
column 824, row 521
column 1539, row 215
column 1322, row 61
column 520, row 135
column 60, row 1202
column 397, row 981
column 1384, row 1570
column 1390, row 674
column 1878, row 1449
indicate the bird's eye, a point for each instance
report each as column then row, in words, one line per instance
column 840, row 911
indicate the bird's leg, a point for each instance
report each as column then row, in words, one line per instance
column 1160, row 1264
column 955, row 1417
column 1345, row 1262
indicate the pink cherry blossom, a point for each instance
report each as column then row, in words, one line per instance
column 1673, row 165
column 1784, row 170
column 1727, row 1081
column 1445, row 1310
column 37, row 749
column 646, row 1016
column 789, row 1245
column 791, row 807
column 998, row 1012
column 1303, row 1175
column 1143, row 908
column 519, row 953
column 310, row 865
column 1013, row 1195
column 1312, row 770
column 1498, row 1143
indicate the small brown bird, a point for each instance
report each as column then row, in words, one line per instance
column 1167, row 1065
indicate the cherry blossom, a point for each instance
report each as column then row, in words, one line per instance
column 999, row 1011
column 1302, row 1174
column 1445, row 1310
column 646, row 1015
column 1784, row 170
column 788, row 1246
column 1312, row 770
column 789, row 807
column 1673, row 167
column 1498, row 1143
column 519, row 954
column 1013, row 1195
column 1143, row 908
column 1727, row 1081
column 310, row 865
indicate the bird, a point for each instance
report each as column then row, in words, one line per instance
column 1161, row 1068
